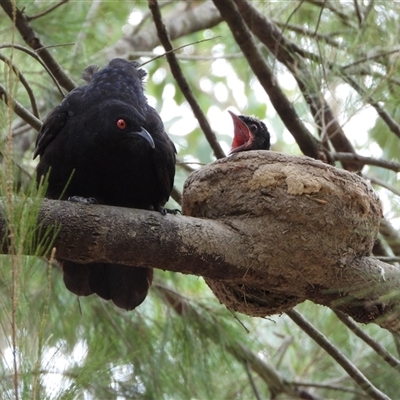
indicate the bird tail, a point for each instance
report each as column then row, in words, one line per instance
column 125, row 286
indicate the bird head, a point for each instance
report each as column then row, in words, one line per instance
column 117, row 123
column 249, row 134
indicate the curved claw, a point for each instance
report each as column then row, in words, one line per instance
column 165, row 211
column 174, row 211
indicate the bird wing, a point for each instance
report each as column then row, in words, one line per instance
column 163, row 154
column 56, row 120
column 53, row 124
column 164, row 162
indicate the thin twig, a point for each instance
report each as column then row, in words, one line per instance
column 48, row 11
column 337, row 355
column 358, row 12
column 383, row 184
column 21, row 130
column 37, row 58
column 24, row 82
column 190, row 57
column 54, row 46
column 175, row 49
column 21, row 22
column 330, row 127
column 182, row 82
column 19, row 166
column 328, row 5
column 302, row 29
column 370, row 57
column 19, row 109
column 281, row 352
column 332, row 387
column 251, row 380
column 362, row 160
column 382, row 352
column 390, row 122
column 368, row 9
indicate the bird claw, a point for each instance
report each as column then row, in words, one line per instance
column 175, row 211
column 165, row 211
column 83, row 200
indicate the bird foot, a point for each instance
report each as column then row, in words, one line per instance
column 169, row 211
column 83, row 200
column 165, row 211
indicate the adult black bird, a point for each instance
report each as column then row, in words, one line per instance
column 106, row 144
column 249, row 134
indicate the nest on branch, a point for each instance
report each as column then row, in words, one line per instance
column 309, row 229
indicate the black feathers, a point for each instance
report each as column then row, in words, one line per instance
column 109, row 144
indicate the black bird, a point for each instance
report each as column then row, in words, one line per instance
column 249, row 134
column 104, row 143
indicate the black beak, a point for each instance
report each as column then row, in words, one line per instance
column 146, row 135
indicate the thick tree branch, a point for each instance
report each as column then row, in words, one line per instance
column 279, row 230
column 99, row 233
column 209, row 248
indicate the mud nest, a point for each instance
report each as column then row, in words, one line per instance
column 304, row 221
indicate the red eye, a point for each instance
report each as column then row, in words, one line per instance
column 121, row 123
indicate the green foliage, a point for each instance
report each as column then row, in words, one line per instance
column 181, row 343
